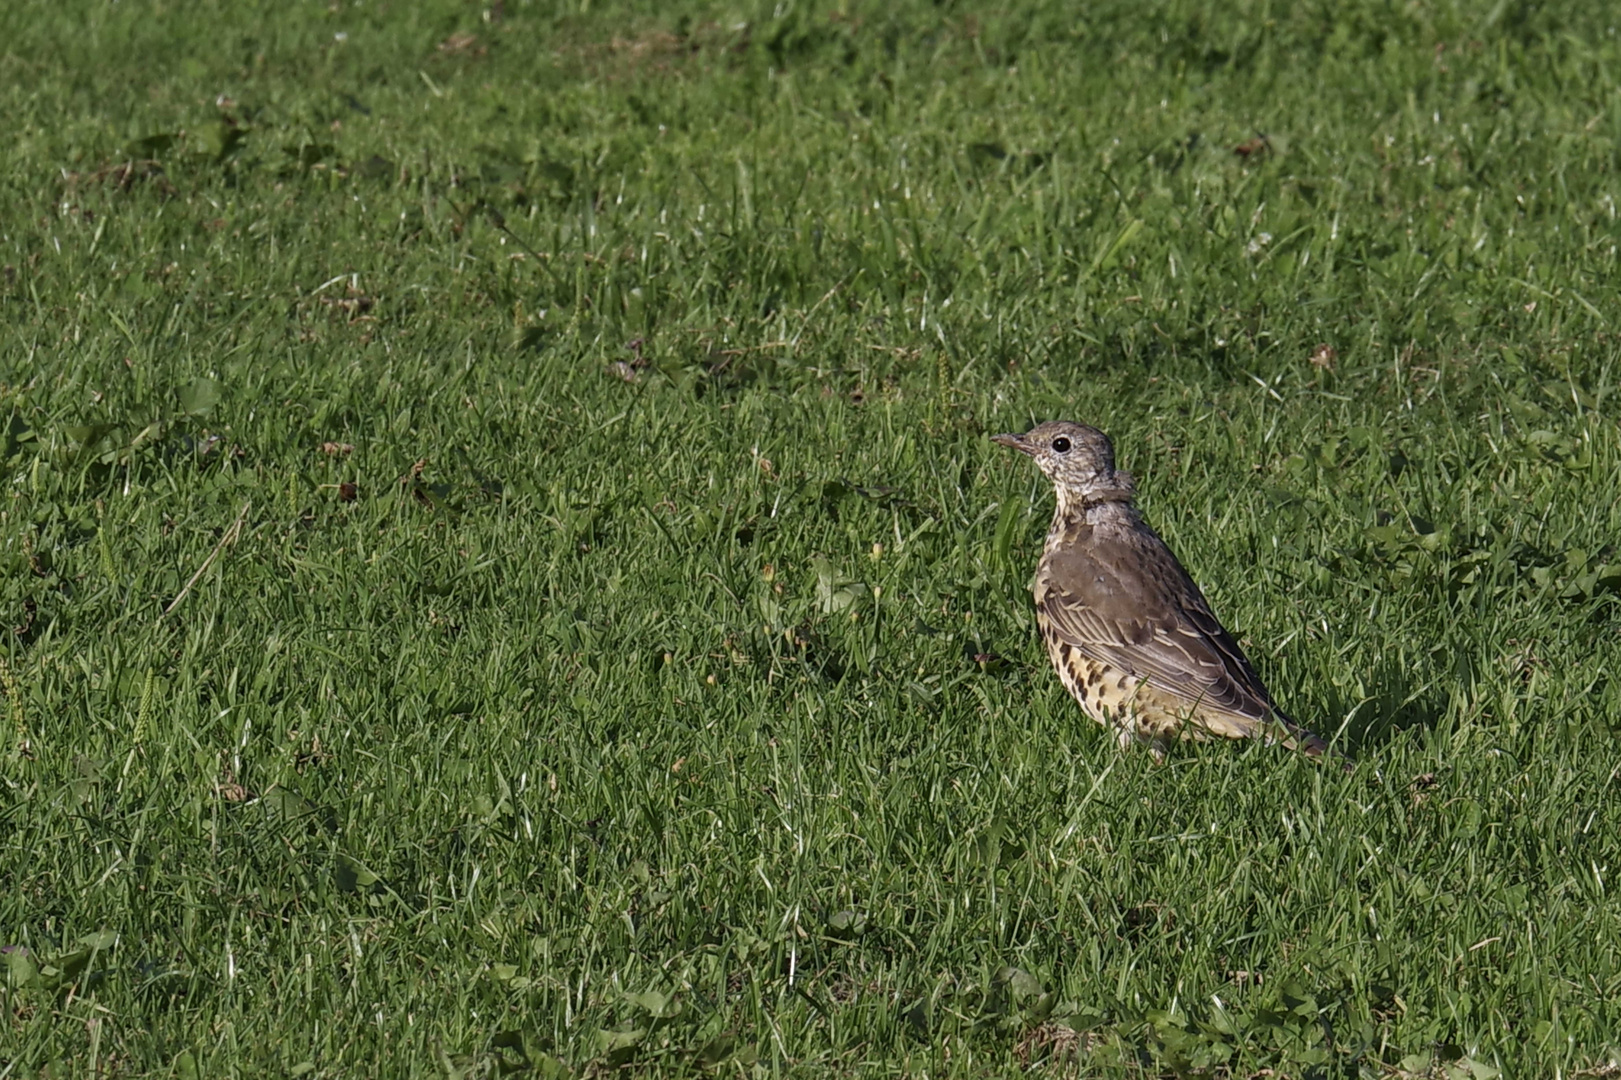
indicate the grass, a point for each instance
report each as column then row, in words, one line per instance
column 505, row 570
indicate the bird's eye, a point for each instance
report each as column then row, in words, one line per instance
column 1060, row 445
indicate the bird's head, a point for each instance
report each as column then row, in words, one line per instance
column 1078, row 459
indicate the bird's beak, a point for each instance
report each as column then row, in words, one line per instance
column 1015, row 442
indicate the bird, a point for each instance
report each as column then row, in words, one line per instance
column 1131, row 636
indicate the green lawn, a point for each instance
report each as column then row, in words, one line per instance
column 505, row 572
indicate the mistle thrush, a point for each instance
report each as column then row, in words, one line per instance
column 1131, row 635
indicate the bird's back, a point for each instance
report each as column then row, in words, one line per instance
column 1114, row 603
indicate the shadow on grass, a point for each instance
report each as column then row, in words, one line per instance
column 1394, row 706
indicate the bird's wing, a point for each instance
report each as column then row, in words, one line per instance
column 1124, row 600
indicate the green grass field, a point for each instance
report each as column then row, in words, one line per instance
column 505, row 573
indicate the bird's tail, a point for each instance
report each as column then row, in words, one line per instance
column 1297, row 737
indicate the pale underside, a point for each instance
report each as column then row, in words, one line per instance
column 1134, row 708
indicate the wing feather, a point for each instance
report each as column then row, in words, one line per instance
column 1124, row 600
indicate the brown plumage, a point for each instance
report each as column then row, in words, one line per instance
column 1130, row 634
